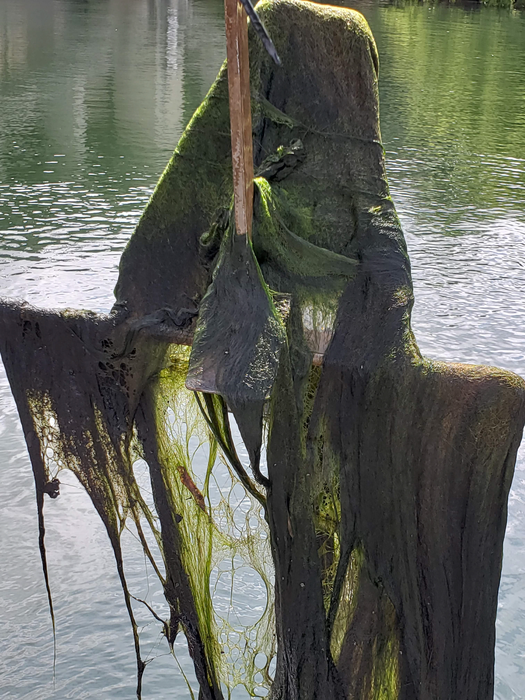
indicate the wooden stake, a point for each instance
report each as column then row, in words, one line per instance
column 240, row 114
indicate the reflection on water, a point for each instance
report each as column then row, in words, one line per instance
column 94, row 96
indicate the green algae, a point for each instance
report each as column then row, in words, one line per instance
column 377, row 528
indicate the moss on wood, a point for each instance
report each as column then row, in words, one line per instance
column 384, row 506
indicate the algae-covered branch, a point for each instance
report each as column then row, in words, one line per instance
column 377, row 522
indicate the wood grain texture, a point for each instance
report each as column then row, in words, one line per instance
column 240, row 114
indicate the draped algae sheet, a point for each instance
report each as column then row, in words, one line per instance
column 377, row 525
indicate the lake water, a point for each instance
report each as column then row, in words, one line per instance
column 94, row 95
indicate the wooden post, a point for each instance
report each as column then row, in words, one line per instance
column 240, row 114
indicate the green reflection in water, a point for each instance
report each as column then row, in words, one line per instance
column 101, row 78
column 453, row 108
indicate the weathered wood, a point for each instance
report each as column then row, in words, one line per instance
column 240, row 114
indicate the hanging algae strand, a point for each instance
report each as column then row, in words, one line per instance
column 377, row 526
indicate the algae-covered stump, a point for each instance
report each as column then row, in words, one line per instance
column 385, row 497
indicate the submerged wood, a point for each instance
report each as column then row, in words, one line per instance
column 388, row 473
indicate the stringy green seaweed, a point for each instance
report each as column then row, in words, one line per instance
column 210, row 532
column 377, row 528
